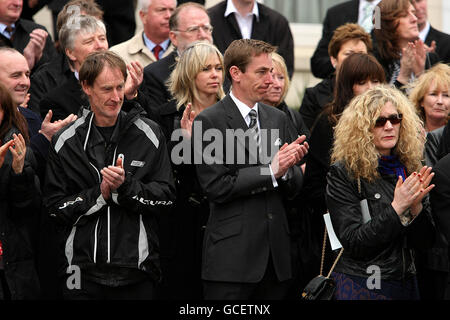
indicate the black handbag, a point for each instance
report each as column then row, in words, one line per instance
column 321, row 287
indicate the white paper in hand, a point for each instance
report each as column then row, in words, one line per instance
column 334, row 241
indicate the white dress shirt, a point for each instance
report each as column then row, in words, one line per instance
column 245, row 22
column 362, row 6
column 423, row 34
column 245, row 111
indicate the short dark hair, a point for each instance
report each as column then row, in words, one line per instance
column 355, row 68
column 95, row 63
column 240, row 53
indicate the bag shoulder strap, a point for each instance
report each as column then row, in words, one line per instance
column 323, row 255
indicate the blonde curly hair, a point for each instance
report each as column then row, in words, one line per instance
column 353, row 137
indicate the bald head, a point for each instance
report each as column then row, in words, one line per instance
column 14, row 74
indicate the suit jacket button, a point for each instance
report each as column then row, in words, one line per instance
column 270, row 216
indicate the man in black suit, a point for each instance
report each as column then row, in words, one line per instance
column 244, row 19
column 119, row 19
column 428, row 34
column 354, row 11
column 247, row 179
column 27, row 37
column 188, row 23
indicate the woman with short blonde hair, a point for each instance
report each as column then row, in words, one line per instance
column 430, row 96
column 196, row 84
column 182, row 81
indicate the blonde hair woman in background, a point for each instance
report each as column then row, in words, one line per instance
column 277, row 93
column 430, row 96
column 196, row 84
column 376, row 195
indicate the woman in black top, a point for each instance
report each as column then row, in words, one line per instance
column 195, row 84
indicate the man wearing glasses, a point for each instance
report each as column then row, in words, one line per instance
column 189, row 23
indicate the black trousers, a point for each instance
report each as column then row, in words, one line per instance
column 269, row 288
column 143, row 290
column 5, row 294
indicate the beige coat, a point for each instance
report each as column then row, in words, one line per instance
column 135, row 50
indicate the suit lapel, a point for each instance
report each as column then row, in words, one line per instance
column 354, row 13
column 260, row 28
column 266, row 124
column 235, row 121
column 231, row 19
column 234, row 116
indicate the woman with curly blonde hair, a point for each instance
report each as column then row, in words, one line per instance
column 376, row 196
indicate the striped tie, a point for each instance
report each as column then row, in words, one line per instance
column 254, row 127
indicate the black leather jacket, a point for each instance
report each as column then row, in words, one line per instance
column 383, row 241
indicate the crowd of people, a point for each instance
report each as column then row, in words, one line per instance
column 164, row 163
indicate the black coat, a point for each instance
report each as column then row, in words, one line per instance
column 127, row 221
column 335, row 17
column 383, row 241
column 440, row 195
column 46, row 78
column 318, row 163
column 272, row 27
column 181, row 231
column 119, row 18
column 63, row 100
column 21, row 37
column 442, row 43
column 315, row 99
column 155, row 76
column 20, row 204
column 295, row 119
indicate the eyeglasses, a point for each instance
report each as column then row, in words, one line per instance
column 393, row 119
column 195, row 29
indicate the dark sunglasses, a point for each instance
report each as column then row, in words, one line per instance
column 393, row 119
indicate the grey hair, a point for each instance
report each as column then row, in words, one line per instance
column 73, row 27
column 144, row 4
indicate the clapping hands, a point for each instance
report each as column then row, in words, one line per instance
column 409, row 193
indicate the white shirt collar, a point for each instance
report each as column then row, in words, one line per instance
column 243, row 108
column 423, row 34
column 77, row 75
column 362, row 3
column 232, row 9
